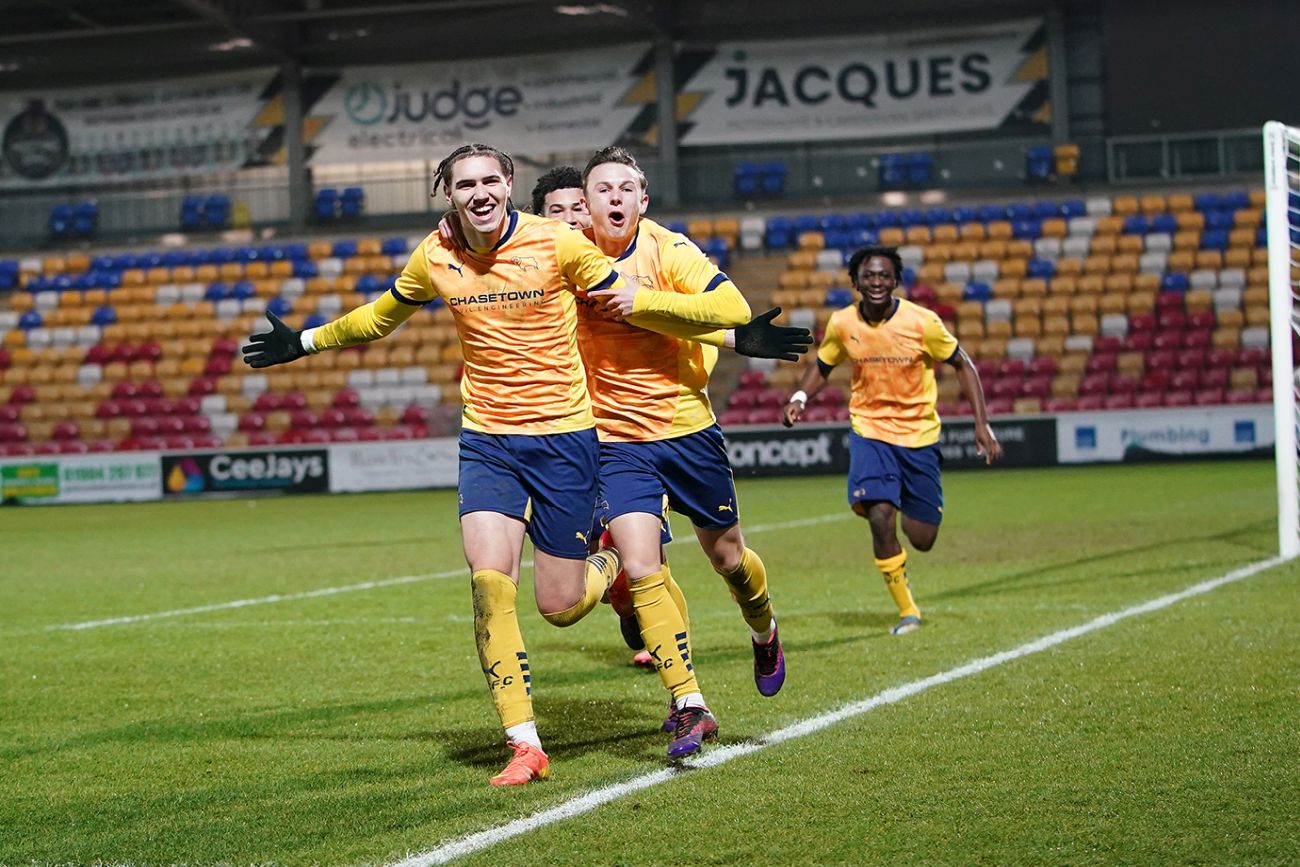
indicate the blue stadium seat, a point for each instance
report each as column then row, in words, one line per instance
column 990, row 213
column 84, row 281
column 8, row 273
column 773, row 174
column 862, row 237
column 344, row 249
column 326, row 203
column 833, row 223
column 1206, row 201
column 920, row 169
column 977, row 292
column 909, row 277
column 279, row 306
column 246, row 254
column 1234, row 201
column 1175, row 281
column 37, row 283
column 888, row 220
column 1039, row 161
column 838, row 297
column 1165, row 223
column 216, row 211
column 60, row 221
column 242, row 290
column 369, row 284
column 271, row 253
column 747, row 180
column 296, row 252
column 216, row 291
column 1214, row 239
column 352, row 202
column 893, row 171
column 1026, row 230
column 1041, row 269
column 200, row 257
column 105, row 315
column 717, row 248
column 1073, row 208
column 860, row 220
column 1019, row 211
column 305, row 268
column 221, row 255
column 912, row 217
column 1046, row 210
column 315, row 320
column 837, row 239
column 939, row 216
column 964, row 214
column 677, row 226
column 29, row 320
column 778, row 233
column 63, row 283
column 394, row 247
column 85, row 219
column 1219, row 219
column 123, row 261
column 175, row 258
column 806, row 223
column 1135, row 224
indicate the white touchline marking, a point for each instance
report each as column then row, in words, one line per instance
column 364, row 585
column 477, row 842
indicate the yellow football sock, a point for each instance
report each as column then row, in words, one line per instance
column 895, row 571
column 501, row 650
column 679, row 598
column 665, row 635
column 601, row 569
column 748, row 585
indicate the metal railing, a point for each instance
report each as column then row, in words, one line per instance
column 1184, row 156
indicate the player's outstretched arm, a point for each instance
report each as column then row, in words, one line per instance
column 968, row 378
column 814, row 378
column 757, row 339
column 280, row 345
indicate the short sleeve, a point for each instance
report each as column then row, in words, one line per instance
column 938, row 341
column 832, row 352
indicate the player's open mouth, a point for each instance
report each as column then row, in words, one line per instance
column 617, row 218
column 481, row 212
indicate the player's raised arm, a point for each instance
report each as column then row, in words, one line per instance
column 968, row 378
column 370, row 321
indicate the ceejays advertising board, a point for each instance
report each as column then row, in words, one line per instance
column 242, row 472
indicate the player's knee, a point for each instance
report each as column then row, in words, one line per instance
column 923, row 536
column 567, row 617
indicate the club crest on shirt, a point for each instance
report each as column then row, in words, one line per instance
column 525, row 263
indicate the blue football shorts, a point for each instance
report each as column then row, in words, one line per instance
column 690, row 474
column 906, row 477
column 548, row 481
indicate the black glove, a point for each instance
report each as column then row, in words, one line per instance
column 759, row 338
column 280, row 345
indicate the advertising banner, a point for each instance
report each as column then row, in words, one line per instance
column 817, row 449
column 295, row 471
column 886, row 84
column 81, row 478
column 394, row 466
column 162, row 128
column 1137, row 435
column 568, row 101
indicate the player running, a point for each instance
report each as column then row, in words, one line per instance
column 894, row 456
column 528, row 448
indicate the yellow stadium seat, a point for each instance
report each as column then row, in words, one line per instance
column 1009, row 288
column 1209, row 259
column 1179, row 202
column 918, row 235
column 1000, row 230
column 1141, row 302
column 1190, row 221
column 1052, row 342
column 812, row 241
column 1124, row 206
column 1153, row 204
column 972, row 232
column 1111, row 224
column 946, row 233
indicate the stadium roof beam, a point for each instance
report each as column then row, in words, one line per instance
column 217, row 13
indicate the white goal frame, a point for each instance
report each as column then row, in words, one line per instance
column 1281, row 177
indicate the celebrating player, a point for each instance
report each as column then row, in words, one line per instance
column 659, row 441
column 528, row 450
column 894, row 455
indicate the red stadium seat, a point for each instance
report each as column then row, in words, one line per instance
column 1001, row 406
column 268, row 401
column 1060, row 404
column 1214, row 377
column 1148, row 399
column 745, row 399
column 1012, row 367
column 1138, row 341
column 1089, row 403
column 1155, row 380
column 754, row 379
column 1209, row 397
column 1239, row 396
column 1106, row 343
column 1251, row 356
column 1142, row 322
column 1219, row 358
column 252, row 421
column 1178, row 398
column 1119, row 401
column 1191, row 359
column 1198, row 339
column 1043, row 365
column 303, row 419
column 1184, row 380
column 346, row 398
column 1101, row 362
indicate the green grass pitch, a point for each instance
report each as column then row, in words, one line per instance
column 353, row 727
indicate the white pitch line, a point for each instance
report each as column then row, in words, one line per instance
column 481, row 840
column 364, row 585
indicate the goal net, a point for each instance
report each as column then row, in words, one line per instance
column 1282, row 215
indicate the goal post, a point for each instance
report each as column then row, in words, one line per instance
column 1282, row 215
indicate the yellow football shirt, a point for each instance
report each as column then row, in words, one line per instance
column 893, row 390
column 648, row 386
